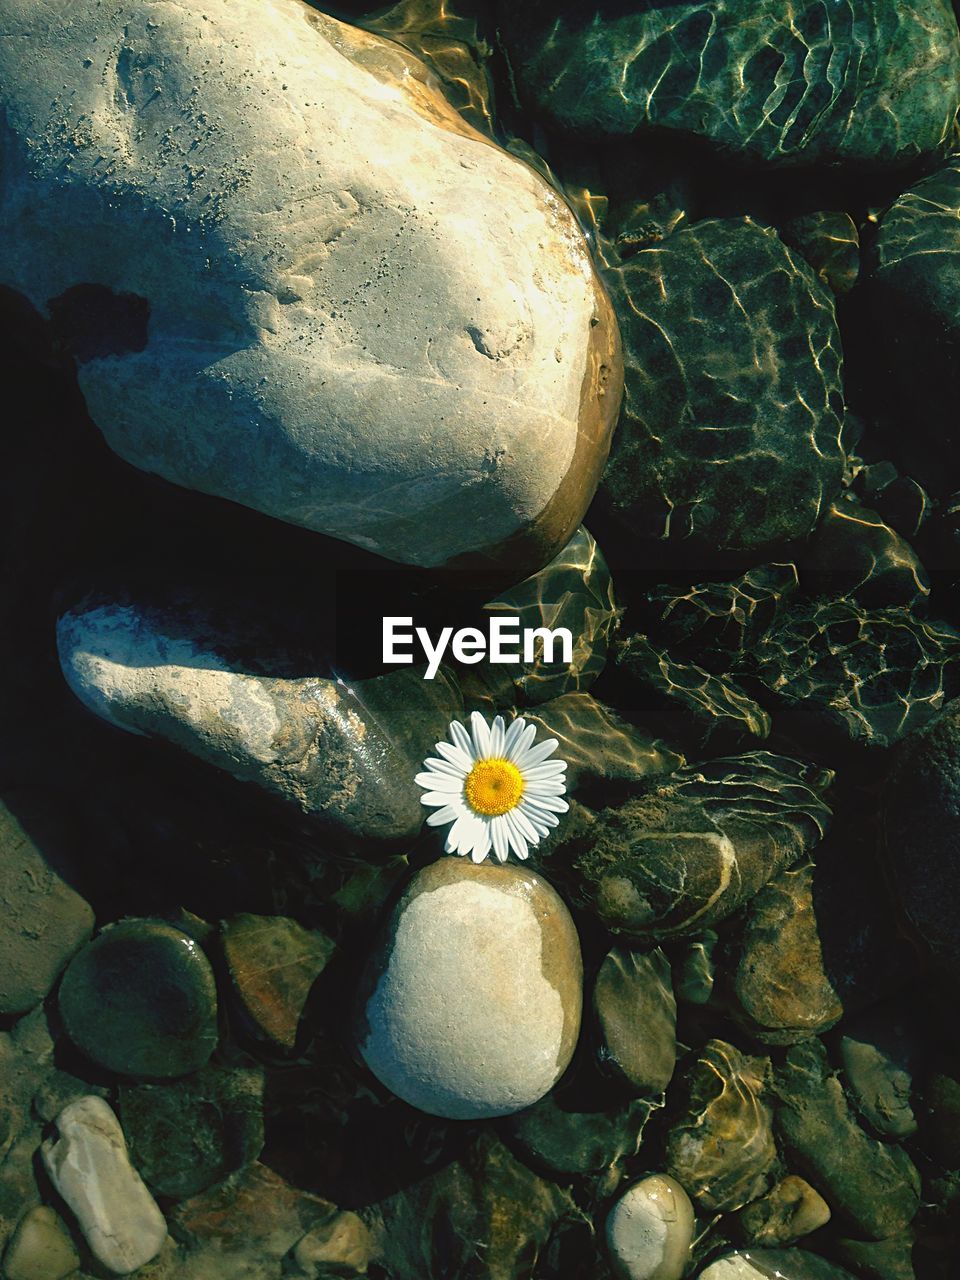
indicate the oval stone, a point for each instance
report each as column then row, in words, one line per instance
column 470, row 1006
column 141, row 1000
column 650, row 1230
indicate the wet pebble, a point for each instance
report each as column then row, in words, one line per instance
column 765, row 1264
column 636, row 1012
column 88, row 1164
column 141, row 1000
column 650, row 1229
column 878, row 1052
column 470, row 1005
column 788, row 1212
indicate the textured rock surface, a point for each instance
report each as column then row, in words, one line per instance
column 854, row 554
column 913, row 292
column 464, row 1039
column 830, row 243
column 695, row 846
column 41, row 1248
column 720, row 1147
column 345, row 755
column 88, row 1164
column 785, row 1264
column 866, row 676
column 185, row 1136
column 637, row 1015
column 273, row 963
column 43, row 921
column 650, row 1229
column 730, row 434
column 307, row 214
column 781, row 989
column 864, row 84
column 878, row 1053
column 141, row 1000
column 872, row 1187
column 788, row 1212
column 921, row 829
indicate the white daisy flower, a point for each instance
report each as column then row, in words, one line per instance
column 498, row 790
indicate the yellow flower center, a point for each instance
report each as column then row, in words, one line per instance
column 493, row 787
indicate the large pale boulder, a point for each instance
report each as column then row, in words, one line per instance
column 292, row 276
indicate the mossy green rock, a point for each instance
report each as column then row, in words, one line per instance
column 869, row 84
column 730, row 432
column 140, row 1000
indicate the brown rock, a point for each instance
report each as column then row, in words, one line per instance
column 787, row 1213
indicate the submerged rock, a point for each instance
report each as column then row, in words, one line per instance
column 870, row 1186
column 720, row 1147
column 695, row 846
column 344, row 752
column 470, row 1006
column 730, row 434
column 44, row 921
column 88, row 1164
column 829, row 241
column 854, row 554
column 780, row 985
column 878, row 1052
column 306, row 335
column 866, row 85
column 141, row 1000
column 649, row 1230
column 636, row 1011
column 187, row 1135
column 784, row 1264
column 273, row 963
column 788, row 1212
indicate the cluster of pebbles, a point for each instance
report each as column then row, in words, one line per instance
column 637, row 319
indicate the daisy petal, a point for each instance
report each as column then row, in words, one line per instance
column 525, row 827
column 524, row 739
column 537, row 754
column 552, row 769
column 497, row 736
column 513, row 733
column 482, row 846
column 553, row 804
column 481, row 735
column 548, row 787
column 434, row 798
column 462, row 739
column 436, row 765
column 440, row 781
column 440, row 816
column 498, row 835
column 456, row 756
column 515, row 836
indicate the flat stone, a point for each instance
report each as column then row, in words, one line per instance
column 816, row 89
column 345, row 753
column 636, row 1011
column 273, row 963
column 470, row 1005
column 788, row 1212
column 41, row 1248
column 189, row 1134
column 88, row 1164
column 693, row 847
column 730, row 436
column 306, row 335
column 720, row 1147
column 43, row 921
column 780, row 985
column 870, row 1186
column 649, row 1230
column 141, row 1000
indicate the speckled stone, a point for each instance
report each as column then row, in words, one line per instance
column 692, row 848
column 306, row 335
column 729, row 438
column 650, row 1229
column 470, row 1006
column 141, row 1001
column 720, row 1146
